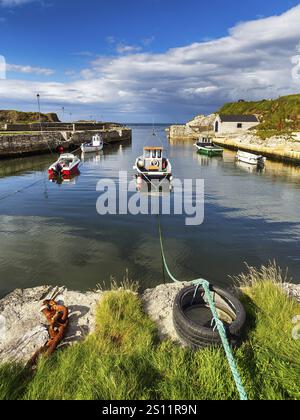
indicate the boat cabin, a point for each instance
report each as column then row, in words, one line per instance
column 97, row 141
column 66, row 159
column 205, row 141
column 153, row 159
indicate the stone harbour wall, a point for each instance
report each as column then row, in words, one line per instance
column 278, row 147
column 13, row 145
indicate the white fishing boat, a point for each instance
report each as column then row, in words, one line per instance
column 96, row 145
column 66, row 165
column 250, row 158
column 153, row 165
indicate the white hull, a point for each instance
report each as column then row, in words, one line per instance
column 250, row 158
column 67, row 165
column 91, row 149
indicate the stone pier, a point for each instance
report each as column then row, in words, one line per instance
column 22, row 144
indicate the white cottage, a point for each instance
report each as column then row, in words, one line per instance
column 234, row 123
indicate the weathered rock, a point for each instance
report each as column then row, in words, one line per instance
column 158, row 304
column 23, row 328
column 292, row 290
column 193, row 128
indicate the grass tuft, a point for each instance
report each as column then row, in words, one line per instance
column 270, row 273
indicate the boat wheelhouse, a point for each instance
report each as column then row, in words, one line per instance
column 153, row 164
column 205, row 146
column 96, row 145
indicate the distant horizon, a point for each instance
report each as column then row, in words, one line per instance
column 148, row 123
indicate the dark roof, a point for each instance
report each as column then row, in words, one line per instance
column 239, row 118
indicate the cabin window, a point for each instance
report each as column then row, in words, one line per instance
column 159, row 154
column 147, row 154
column 240, row 125
column 154, row 154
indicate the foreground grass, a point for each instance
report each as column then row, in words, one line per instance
column 124, row 360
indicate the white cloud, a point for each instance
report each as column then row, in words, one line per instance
column 40, row 71
column 127, row 49
column 13, row 3
column 254, row 61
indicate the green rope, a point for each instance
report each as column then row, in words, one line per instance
column 218, row 323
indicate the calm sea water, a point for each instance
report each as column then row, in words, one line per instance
column 52, row 234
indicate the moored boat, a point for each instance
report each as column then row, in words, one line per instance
column 153, row 165
column 65, row 179
column 205, row 146
column 96, row 145
column 66, row 165
column 250, row 158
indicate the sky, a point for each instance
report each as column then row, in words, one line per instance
column 146, row 60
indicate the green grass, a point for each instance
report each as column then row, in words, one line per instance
column 279, row 115
column 18, row 117
column 267, row 134
column 123, row 359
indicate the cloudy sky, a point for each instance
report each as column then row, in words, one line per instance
column 139, row 60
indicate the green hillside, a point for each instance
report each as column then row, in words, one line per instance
column 13, row 117
column 282, row 114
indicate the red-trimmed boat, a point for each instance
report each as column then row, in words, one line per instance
column 66, row 165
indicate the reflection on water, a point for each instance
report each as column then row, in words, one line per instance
column 52, row 233
column 92, row 157
column 250, row 168
column 13, row 167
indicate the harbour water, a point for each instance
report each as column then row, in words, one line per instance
column 52, row 234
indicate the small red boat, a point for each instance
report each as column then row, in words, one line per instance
column 66, row 165
column 65, row 179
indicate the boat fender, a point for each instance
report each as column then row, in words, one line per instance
column 141, row 163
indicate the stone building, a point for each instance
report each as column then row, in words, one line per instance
column 234, row 123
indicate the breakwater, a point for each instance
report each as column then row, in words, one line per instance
column 22, row 144
column 282, row 151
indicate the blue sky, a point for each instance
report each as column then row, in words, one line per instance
column 166, row 60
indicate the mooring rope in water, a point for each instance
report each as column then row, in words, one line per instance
column 21, row 189
column 218, row 323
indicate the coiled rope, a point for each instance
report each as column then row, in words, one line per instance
column 216, row 320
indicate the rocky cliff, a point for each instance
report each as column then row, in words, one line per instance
column 194, row 128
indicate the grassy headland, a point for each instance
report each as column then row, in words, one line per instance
column 17, row 117
column 124, row 359
column 277, row 116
